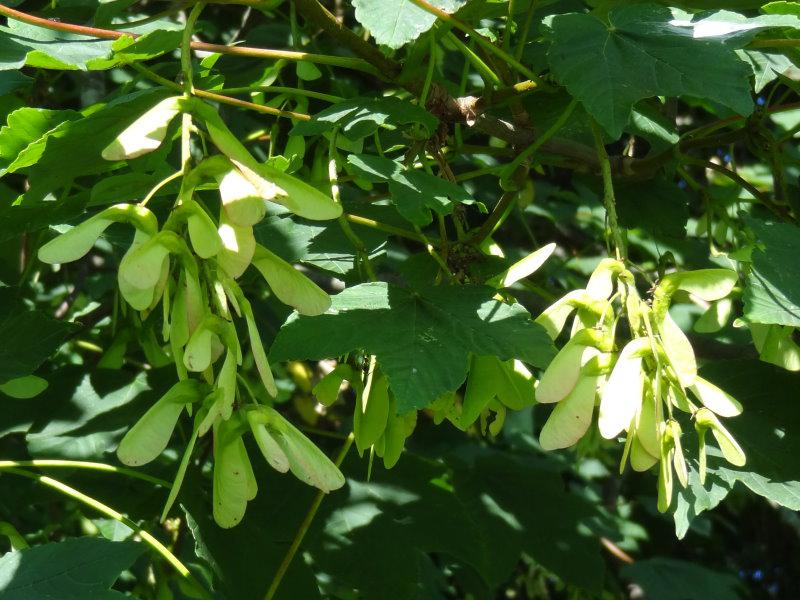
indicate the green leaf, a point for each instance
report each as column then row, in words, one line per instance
column 318, row 244
column 421, row 339
column 667, row 579
column 35, row 335
column 84, row 415
column 637, row 54
column 394, row 23
column 28, row 45
column 78, row 568
column 657, row 206
column 414, row 193
column 765, row 432
column 13, row 80
column 772, row 294
column 498, row 505
column 72, row 149
column 360, row 117
column 26, row 125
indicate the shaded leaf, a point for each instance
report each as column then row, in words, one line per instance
column 772, row 294
column 421, row 338
column 35, row 336
column 79, row 568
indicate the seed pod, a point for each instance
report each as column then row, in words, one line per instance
column 480, row 390
column 143, row 265
column 731, row 450
column 290, row 285
column 148, row 438
column 202, row 231
column 622, row 394
column 372, row 411
column 238, row 246
column 198, row 356
column 678, row 460
column 244, row 199
column 679, row 350
column 327, row 389
column 601, row 282
column 715, row 317
column 232, row 486
column 647, row 427
column 398, row 429
column 556, row 315
column 139, row 298
column 522, row 268
column 257, row 347
column 780, row 349
column 572, row 416
column 641, row 459
column 269, row 447
column 707, row 284
column 307, row 462
column 226, row 381
column 300, row 198
column 715, row 399
column 665, row 469
column 562, row 373
column 145, row 134
column 76, row 243
column 515, row 384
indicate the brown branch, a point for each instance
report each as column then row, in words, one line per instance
column 108, row 34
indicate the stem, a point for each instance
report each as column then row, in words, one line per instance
column 186, row 47
column 283, row 90
column 398, row 231
column 119, row 517
column 525, row 30
column 494, row 219
column 479, row 39
column 219, row 97
column 160, row 185
column 80, row 464
column 486, row 72
column 352, row 236
column 509, row 170
column 304, row 526
column 426, row 87
column 608, row 190
column 355, row 64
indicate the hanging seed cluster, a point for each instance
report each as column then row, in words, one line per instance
column 189, row 265
column 641, row 384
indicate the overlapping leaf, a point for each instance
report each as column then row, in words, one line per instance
column 394, row 23
column 422, row 339
column 637, row 53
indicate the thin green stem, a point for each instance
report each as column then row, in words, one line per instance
column 41, row 463
column 426, row 86
column 186, row 47
column 507, row 31
column 356, row 64
column 373, row 224
column 486, row 72
column 304, row 526
column 158, row 186
column 148, row 538
column 214, row 97
column 479, row 39
column 609, row 200
column 283, row 90
column 523, row 37
column 498, row 214
column 509, row 170
column 352, row 236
